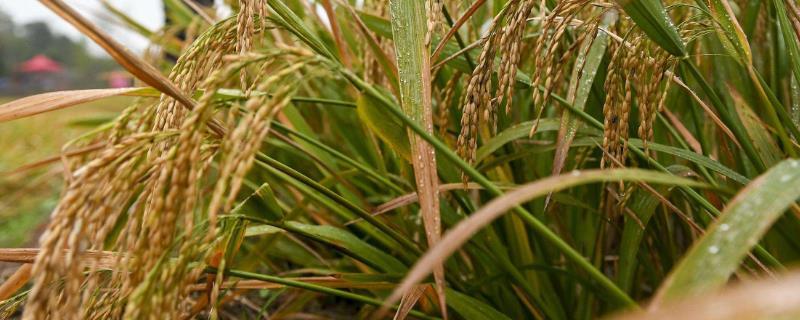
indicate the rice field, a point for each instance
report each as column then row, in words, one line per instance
column 438, row 159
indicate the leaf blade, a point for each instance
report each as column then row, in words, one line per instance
column 714, row 257
column 414, row 67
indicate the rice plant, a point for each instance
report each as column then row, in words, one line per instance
column 438, row 159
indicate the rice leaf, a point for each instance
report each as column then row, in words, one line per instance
column 470, row 308
column 130, row 61
column 384, row 125
column 464, row 230
column 388, row 65
column 348, row 243
column 414, row 67
column 522, row 130
column 408, row 302
column 790, row 38
column 581, row 89
column 50, row 101
column 652, row 18
column 643, row 204
column 261, row 204
column 745, row 220
column 730, row 32
column 295, row 24
column 769, row 298
column 693, row 157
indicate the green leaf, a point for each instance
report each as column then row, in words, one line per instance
column 377, row 24
column 295, row 24
column 409, row 27
column 519, row 131
column 261, row 204
column 312, row 287
column 383, row 124
column 580, row 90
column 261, row 230
column 695, row 158
column 472, row 309
column 643, row 204
column 715, row 256
column 350, row 244
column 179, row 13
column 789, row 36
column 763, row 139
column 730, row 32
column 652, row 18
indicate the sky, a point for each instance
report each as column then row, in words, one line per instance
column 147, row 12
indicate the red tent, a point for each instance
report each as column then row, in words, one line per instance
column 41, row 64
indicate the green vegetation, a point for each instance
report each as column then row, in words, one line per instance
column 507, row 159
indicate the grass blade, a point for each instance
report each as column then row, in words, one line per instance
column 760, row 299
column 130, row 61
column 737, row 230
column 789, row 37
column 347, row 242
column 379, row 121
column 50, row 101
column 519, row 131
column 462, row 232
column 580, row 89
column 730, row 32
column 472, row 309
column 652, row 18
column 414, row 67
column 606, row 284
column 313, row 287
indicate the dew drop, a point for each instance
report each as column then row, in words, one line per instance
column 713, row 249
column 724, row 227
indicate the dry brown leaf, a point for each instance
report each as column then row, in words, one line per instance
column 56, row 100
column 104, row 259
column 683, row 131
column 410, row 198
column 761, row 299
column 127, row 59
column 54, row 159
column 407, row 303
column 15, row 281
column 323, row 281
column 471, row 11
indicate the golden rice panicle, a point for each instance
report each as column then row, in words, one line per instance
column 550, row 58
column 99, row 190
column 477, row 98
column 611, row 114
column 80, row 222
column 511, row 43
column 636, row 76
column 239, row 149
column 249, row 11
column 202, row 57
column 172, row 196
column 653, row 94
column 434, row 15
column 447, row 95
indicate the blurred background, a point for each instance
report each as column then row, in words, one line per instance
column 39, row 53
